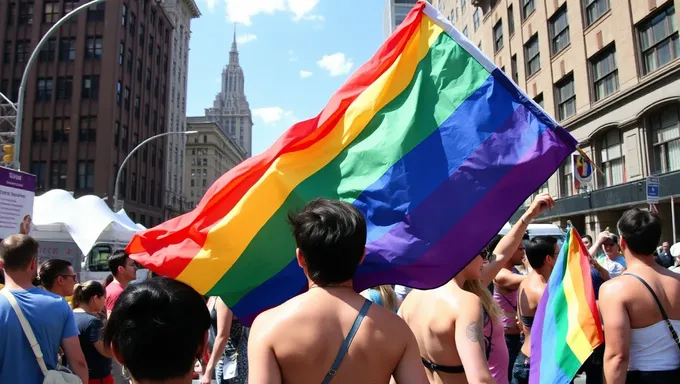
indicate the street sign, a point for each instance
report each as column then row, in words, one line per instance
column 652, row 190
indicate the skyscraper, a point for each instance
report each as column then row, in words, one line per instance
column 395, row 13
column 180, row 13
column 96, row 91
column 230, row 109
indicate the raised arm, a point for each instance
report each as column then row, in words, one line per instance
column 510, row 242
column 470, row 342
column 508, row 280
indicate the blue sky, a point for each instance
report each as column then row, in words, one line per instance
column 294, row 53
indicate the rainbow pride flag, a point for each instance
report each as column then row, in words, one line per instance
column 429, row 139
column 567, row 326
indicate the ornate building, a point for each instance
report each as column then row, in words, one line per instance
column 230, row 109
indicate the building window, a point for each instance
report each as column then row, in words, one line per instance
column 67, row 49
column 26, row 13
column 50, row 12
column 567, row 187
column 539, row 100
column 532, row 55
column 7, row 55
column 559, row 30
column 93, row 47
column 475, row 19
column 611, row 156
column 96, row 12
column 44, row 89
column 69, row 5
column 141, row 34
column 666, row 139
column 124, row 138
column 150, row 46
column 64, row 88
column 137, row 106
column 565, row 97
column 47, row 53
column 528, row 7
column 129, row 61
column 58, row 174
column 119, row 92
column 133, row 187
column 513, row 68
column 121, row 53
column 605, row 73
column 155, row 87
column 85, row 175
column 148, row 79
column 21, row 51
column 594, row 9
column 39, row 169
column 87, row 131
column 659, row 40
column 511, row 20
column 465, row 32
column 123, row 18
column 62, row 130
column 498, row 36
column 143, row 190
column 40, row 130
column 90, row 87
column 126, row 98
column 116, row 134
column 139, row 70
column 11, row 13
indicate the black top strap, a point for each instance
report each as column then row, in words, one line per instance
column 348, row 341
column 658, row 303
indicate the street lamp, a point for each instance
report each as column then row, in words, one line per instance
column 29, row 64
column 116, row 202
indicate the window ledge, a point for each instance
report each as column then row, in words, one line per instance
column 561, row 53
column 597, row 22
column 533, row 76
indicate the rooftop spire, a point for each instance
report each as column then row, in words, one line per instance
column 233, row 53
column 233, row 42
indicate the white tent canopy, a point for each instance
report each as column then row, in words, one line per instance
column 87, row 219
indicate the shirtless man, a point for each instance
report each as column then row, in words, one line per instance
column 542, row 253
column 302, row 340
column 639, row 346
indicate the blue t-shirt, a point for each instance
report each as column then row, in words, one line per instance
column 51, row 320
column 597, row 281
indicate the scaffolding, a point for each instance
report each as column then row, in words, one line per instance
column 8, row 120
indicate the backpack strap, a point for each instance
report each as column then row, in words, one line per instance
column 674, row 334
column 348, row 341
column 26, row 326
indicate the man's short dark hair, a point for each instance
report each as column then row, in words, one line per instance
column 2, row 276
column 50, row 270
column 538, row 248
column 331, row 235
column 117, row 259
column 641, row 230
column 17, row 252
column 143, row 320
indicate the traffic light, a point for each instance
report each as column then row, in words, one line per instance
column 8, row 150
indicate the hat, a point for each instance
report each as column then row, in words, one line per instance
column 675, row 250
column 613, row 239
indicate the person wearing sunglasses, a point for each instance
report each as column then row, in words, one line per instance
column 58, row 277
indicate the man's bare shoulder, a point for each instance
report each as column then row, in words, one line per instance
column 614, row 289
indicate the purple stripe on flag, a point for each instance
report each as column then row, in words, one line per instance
column 464, row 238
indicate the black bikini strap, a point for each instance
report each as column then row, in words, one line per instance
column 658, row 303
column 348, row 341
column 442, row 368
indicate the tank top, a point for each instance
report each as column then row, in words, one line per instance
column 498, row 352
column 508, row 304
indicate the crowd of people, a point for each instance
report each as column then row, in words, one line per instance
column 476, row 328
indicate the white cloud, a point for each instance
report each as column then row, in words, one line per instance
column 336, row 64
column 244, row 39
column 241, row 11
column 305, row 74
column 301, row 9
column 269, row 114
column 291, row 56
column 211, row 5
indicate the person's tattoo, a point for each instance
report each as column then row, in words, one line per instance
column 474, row 332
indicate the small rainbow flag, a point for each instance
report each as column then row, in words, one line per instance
column 427, row 139
column 567, row 326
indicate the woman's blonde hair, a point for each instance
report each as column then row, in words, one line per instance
column 477, row 288
column 388, row 297
column 84, row 292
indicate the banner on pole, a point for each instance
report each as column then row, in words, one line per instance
column 17, row 191
column 582, row 171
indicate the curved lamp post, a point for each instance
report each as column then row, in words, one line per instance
column 116, row 202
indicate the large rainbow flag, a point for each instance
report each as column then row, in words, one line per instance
column 429, row 139
column 567, row 326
